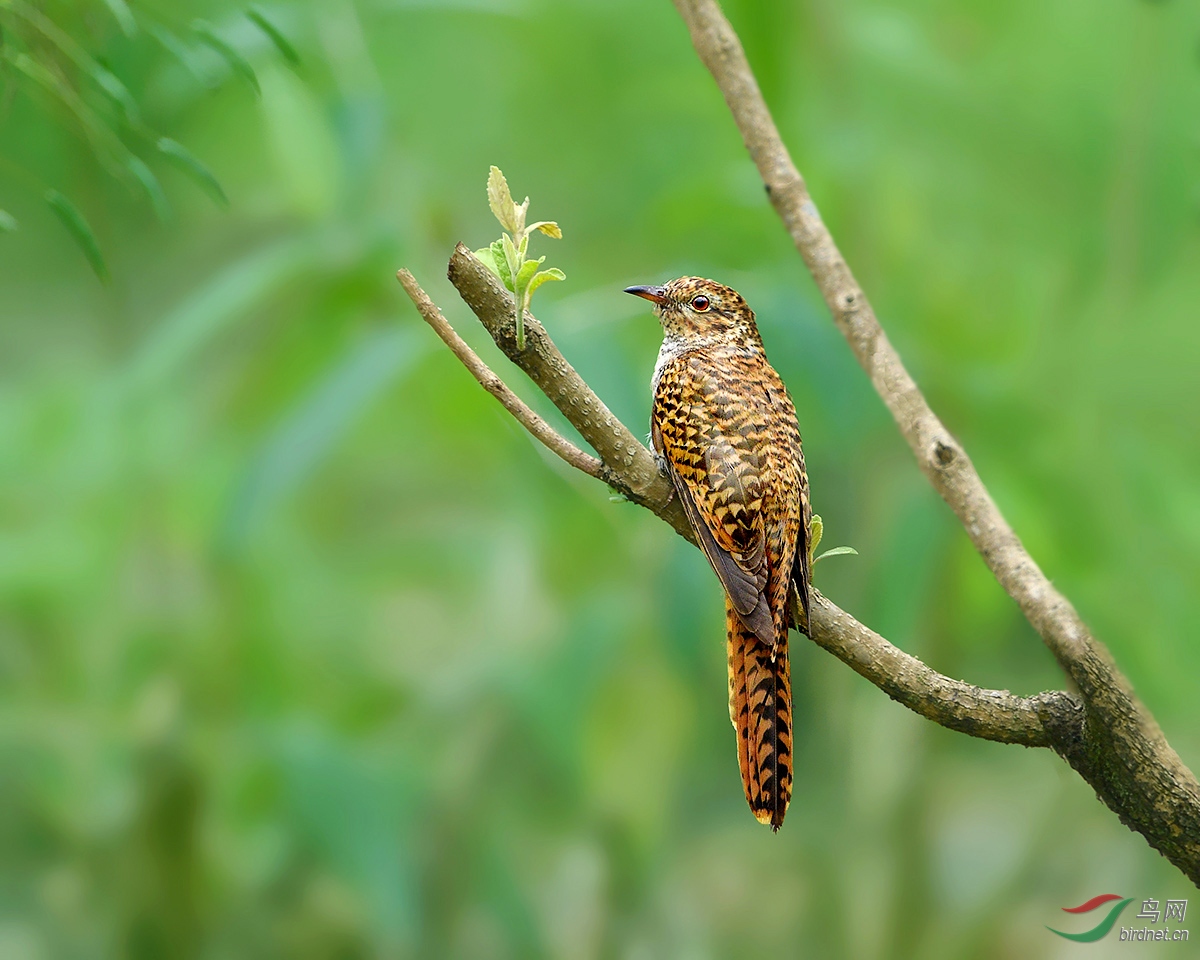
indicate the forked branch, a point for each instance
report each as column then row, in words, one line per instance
column 630, row 468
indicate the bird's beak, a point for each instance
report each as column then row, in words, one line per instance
column 657, row 294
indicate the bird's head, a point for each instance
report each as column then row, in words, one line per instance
column 693, row 309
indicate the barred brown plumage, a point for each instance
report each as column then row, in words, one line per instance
column 725, row 428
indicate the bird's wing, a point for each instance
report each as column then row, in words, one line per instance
column 787, row 440
column 706, row 438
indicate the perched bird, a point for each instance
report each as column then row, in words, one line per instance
column 725, row 431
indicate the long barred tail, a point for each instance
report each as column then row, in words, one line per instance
column 760, row 706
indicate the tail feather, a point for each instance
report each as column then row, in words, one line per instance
column 760, row 706
column 739, row 711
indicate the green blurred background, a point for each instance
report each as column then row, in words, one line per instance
column 306, row 650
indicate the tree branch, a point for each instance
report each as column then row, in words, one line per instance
column 988, row 714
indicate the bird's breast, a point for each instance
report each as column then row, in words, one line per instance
column 670, row 349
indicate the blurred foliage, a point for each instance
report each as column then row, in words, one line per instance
column 40, row 56
column 306, row 650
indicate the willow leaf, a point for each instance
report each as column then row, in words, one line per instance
column 236, row 61
column 282, row 44
column 80, row 230
column 187, row 162
column 145, row 176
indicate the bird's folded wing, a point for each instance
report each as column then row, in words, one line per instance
column 789, row 442
column 716, row 475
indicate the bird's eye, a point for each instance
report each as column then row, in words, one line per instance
column 700, row 303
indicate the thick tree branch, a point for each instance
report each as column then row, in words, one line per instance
column 1122, row 752
column 988, row 714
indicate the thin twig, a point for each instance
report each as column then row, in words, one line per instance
column 539, row 428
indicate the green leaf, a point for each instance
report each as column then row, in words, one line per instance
column 186, row 162
column 552, row 273
column 512, row 260
column 8, row 223
column 80, row 230
column 548, row 227
column 816, row 530
column 484, row 256
column 836, row 552
column 236, row 61
column 282, row 44
column 123, row 15
column 501, row 201
column 153, row 188
column 501, row 260
column 528, row 269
